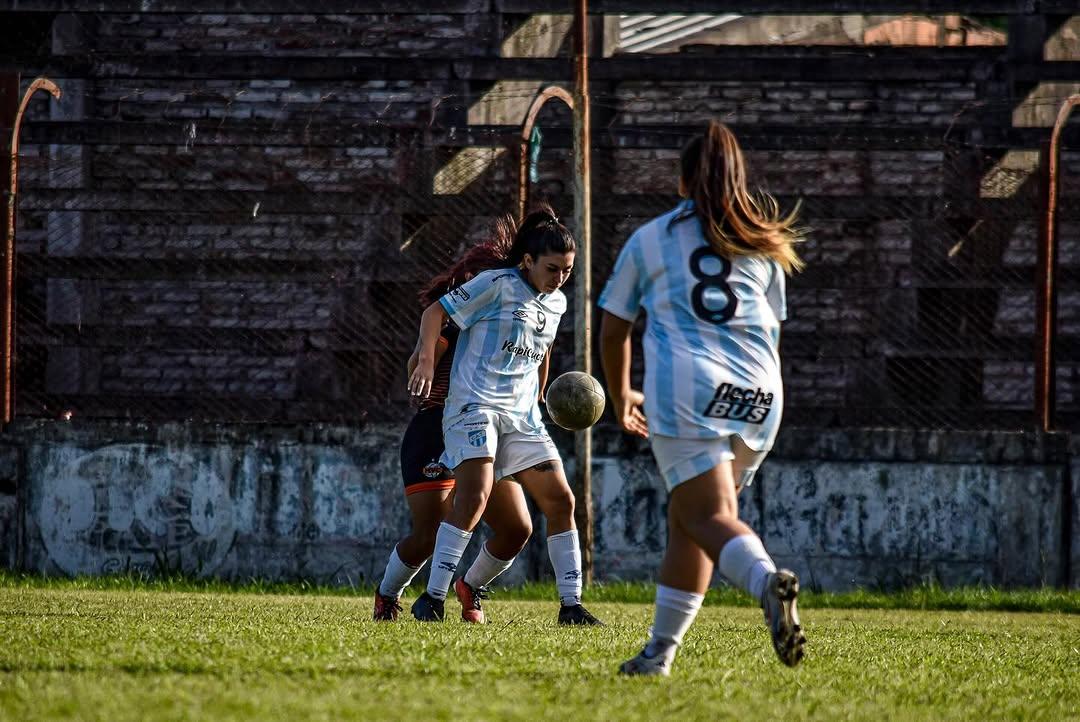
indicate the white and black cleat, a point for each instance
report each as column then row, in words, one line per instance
column 782, row 616
column 644, row 666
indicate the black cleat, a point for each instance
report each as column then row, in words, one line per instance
column 427, row 608
column 577, row 614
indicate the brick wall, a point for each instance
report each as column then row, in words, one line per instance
column 785, row 103
column 389, row 34
column 238, row 248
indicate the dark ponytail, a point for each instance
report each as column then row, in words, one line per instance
column 540, row 233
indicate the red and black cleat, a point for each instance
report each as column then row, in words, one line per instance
column 387, row 609
column 470, row 597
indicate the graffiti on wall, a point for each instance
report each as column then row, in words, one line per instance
column 134, row 507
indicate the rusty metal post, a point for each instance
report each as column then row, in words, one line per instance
column 7, row 368
column 583, row 274
column 9, row 109
column 1046, row 303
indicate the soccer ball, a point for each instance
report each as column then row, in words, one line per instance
column 575, row 400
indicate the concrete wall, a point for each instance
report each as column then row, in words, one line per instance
column 844, row 509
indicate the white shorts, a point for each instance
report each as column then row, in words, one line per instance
column 484, row 433
column 682, row 459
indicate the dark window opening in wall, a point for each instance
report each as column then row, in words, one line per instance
column 957, row 318
column 942, row 383
column 26, row 35
column 391, row 306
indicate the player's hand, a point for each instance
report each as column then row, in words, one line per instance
column 629, row 414
column 421, row 378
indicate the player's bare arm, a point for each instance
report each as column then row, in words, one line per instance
column 542, row 373
column 431, row 324
column 440, row 348
column 615, row 357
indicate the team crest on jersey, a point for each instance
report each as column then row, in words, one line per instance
column 478, row 438
column 435, row 470
column 751, row 406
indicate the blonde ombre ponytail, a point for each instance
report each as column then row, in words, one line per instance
column 735, row 221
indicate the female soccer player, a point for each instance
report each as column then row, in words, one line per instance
column 710, row 276
column 428, row 484
column 492, row 426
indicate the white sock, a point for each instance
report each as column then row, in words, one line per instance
column 486, row 568
column 397, row 576
column 745, row 563
column 565, row 557
column 450, row 544
column 675, row 612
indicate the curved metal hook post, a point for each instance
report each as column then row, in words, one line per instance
column 1046, row 310
column 8, row 351
column 549, row 93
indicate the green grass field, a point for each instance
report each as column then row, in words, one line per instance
column 121, row 650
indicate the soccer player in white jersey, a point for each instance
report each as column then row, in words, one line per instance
column 710, row 276
column 429, row 484
column 492, row 426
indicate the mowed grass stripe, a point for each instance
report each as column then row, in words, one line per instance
column 86, row 654
column 922, row 596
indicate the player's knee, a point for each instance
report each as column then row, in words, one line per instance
column 701, row 518
column 560, row 504
column 471, row 502
column 518, row 535
column 729, row 508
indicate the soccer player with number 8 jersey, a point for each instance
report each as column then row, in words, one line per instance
column 710, row 276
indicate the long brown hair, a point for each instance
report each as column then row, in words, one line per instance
column 538, row 233
column 492, row 253
column 735, row 221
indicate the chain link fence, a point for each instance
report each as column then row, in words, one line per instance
column 241, row 282
column 252, row 250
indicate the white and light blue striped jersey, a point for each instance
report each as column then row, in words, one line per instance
column 712, row 366
column 507, row 328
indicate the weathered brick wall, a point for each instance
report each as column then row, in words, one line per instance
column 384, row 35
column 919, row 290
column 229, row 221
column 787, row 102
column 252, row 247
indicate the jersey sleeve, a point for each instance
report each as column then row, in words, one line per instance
column 776, row 293
column 473, row 300
column 622, row 294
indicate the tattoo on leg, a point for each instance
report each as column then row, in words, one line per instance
column 545, row 466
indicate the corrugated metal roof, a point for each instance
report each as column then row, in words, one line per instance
column 639, row 33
